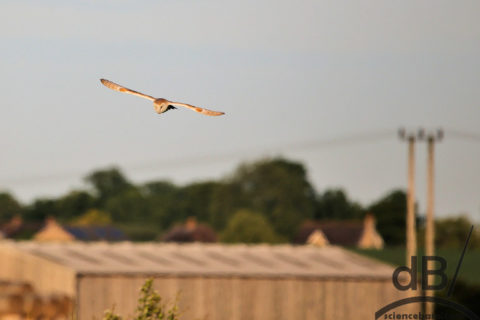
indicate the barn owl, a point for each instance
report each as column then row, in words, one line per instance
column 161, row 105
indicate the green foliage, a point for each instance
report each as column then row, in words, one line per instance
column 141, row 231
column 108, row 183
column 276, row 189
column 453, row 231
column 249, row 227
column 156, row 188
column 74, row 204
column 209, row 201
column 149, row 306
column 280, row 189
column 334, row 204
column 128, row 206
column 390, row 212
column 9, row 207
column 40, row 209
column 93, row 217
column 162, row 201
column 196, row 199
column 65, row 208
column 464, row 293
column 110, row 315
column 227, row 198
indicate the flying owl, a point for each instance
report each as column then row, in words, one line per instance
column 161, row 105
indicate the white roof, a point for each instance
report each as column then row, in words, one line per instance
column 206, row 259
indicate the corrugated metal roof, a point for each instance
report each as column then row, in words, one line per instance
column 207, row 259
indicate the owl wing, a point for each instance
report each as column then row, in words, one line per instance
column 117, row 87
column 198, row 109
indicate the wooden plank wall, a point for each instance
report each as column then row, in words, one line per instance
column 242, row 298
column 45, row 276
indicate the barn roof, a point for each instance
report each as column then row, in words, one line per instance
column 96, row 233
column 191, row 231
column 204, row 259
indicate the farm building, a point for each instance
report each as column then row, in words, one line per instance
column 214, row 281
column 342, row 233
column 53, row 231
column 191, row 231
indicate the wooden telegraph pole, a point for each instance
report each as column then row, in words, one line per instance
column 411, row 237
column 430, row 221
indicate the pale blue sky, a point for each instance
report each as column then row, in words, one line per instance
column 283, row 71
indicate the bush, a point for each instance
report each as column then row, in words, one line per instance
column 249, row 227
column 149, row 307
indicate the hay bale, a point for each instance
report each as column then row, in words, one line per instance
column 11, row 304
column 15, row 287
column 32, row 306
column 12, row 316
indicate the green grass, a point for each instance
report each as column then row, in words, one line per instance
column 469, row 270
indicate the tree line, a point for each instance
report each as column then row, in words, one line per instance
column 266, row 200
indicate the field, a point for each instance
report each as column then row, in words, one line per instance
column 469, row 270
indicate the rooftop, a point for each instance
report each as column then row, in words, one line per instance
column 205, row 259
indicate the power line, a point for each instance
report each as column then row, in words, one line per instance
column 352, row 139
column 239, row 155
column 196, row 160
column 464, row 135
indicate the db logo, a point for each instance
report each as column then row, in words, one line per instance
column 412, row 271
column 386, row 312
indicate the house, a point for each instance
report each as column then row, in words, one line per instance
column 53, row 231
column 212, row 281
column 16, row 228
column 361, row 234
column 191, row 231
column 12, row 227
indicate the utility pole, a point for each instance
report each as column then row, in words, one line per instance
column 411, row 237
column 430, row 221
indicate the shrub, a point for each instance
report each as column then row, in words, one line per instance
column 249, row 227
column 149, row 307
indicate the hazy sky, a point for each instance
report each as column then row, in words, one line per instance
column 285, row 72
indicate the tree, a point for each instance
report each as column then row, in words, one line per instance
column 453, row 232
column 9, row 206
column 74, row 204
column 155, row 188
column 162, row 202
column 249, row 227
column 196, row 199
column 93, row 217
column 128, row 206
column 40, row 209
column 108, row 183
column 390, row 213
column 334, row 204
column 226, row 199
column 170, row 204
column 280, row 189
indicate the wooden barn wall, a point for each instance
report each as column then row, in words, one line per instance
column 242, row 298
column 45, row 276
